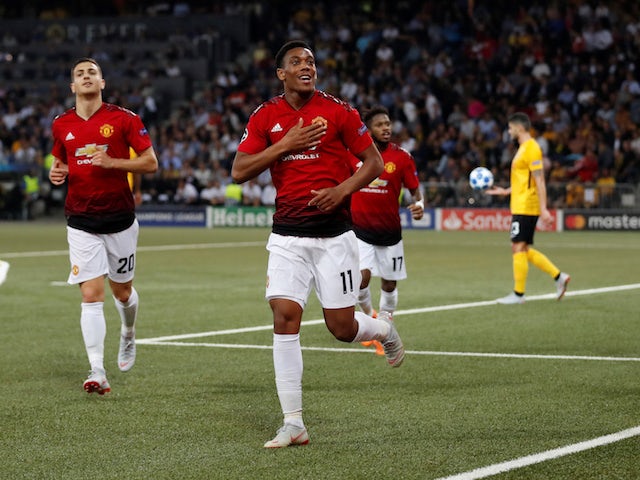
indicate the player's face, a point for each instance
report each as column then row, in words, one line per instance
column 380, row 128
column 514, row 130
column 87, row 79
column 299, row 70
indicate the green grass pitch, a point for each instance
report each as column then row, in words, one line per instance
column 200, row 407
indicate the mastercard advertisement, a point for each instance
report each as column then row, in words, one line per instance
column 605, row 220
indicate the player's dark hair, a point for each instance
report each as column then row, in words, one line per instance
column 290, row 45
column 521, row 119
column 373, row 111
column 85, row 59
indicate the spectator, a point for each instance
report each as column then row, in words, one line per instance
column 213, row 193
column 31, row 191
column 186, row 193
column 251, row 193
column 202, row 174
column 268, row 197
column 232, row 194
column 586, row 168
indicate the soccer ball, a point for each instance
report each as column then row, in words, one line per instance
column 481, row 178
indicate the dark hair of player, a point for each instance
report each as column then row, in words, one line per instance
column 290, row 45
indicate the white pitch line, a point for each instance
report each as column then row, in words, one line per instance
column 152, row 248
column 217, row 332
column 159, row 342
column 254, row 347
column 546, row 296
column 438, row 308
column 478, row 473
column 544, row 456
column 524, row 356
column 198, row 246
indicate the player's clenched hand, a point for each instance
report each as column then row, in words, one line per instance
column 99, row 158
column 300, row 138
column 58, row 172
column 546, row 217
column 417, row 211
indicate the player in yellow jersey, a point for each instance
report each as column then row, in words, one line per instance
column 135, row 180
column 528, row 203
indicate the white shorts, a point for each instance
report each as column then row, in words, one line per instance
column 331, row 265
column 384, row 262
column 94, row 255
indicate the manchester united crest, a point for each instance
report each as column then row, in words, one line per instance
column 320, row 120
column 390, row 167
column 106, row 130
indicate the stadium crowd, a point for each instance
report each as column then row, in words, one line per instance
column 449, row 73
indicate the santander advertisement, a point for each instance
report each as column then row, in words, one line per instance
column 484, row 219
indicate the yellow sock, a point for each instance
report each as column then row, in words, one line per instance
column 541, row 261
column 520, row 271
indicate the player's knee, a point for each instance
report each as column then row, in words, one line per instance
column 343, row 331
column 388, row 285
column 343, row 335
column 122, row 294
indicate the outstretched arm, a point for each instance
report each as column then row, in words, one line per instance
column 495, row 190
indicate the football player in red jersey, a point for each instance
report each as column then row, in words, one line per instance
column 91, row 153
column 376, row 218
column 305, row 136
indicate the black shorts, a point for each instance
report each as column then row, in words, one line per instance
column 523, row 227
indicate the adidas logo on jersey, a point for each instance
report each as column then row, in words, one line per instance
column 276, row 128
column 69, row 136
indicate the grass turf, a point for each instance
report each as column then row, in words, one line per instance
column 203, row 412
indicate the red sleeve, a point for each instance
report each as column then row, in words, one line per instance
column 58, row 149
column 254, row 138
column 137, row 135
column 355, row 134
column 410, row 174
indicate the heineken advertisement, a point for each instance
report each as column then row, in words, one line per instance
column 240, row 216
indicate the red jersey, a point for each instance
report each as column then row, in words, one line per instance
column 323, row 166
column 374, row 208
column 98, row 199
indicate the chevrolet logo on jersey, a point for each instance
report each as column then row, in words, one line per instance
column 379, row 183
column 90, row 148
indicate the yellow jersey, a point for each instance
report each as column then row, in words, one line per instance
column 130, row 176
column 524, row 191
